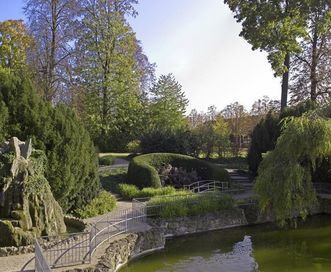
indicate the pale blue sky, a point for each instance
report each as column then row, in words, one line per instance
column 198, row 41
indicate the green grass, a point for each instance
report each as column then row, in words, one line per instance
column 111, row 178
column 129, row 191
column 103, row 203
column 117, row 155
column 192, row 204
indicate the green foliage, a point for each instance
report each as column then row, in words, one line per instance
column 106, row 160
column 101, row 204
column 272, row 26
column 110, row 73
column 284, row 182
column 130, row 191
column 267, row 131
column 72, row 162
column 264, row 138
column 213, row 135
column 133, row 146
column 168, row 105
column 182, row 142
column 192, row 204
column 143, row 170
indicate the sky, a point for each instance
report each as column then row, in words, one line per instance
column 198, row 41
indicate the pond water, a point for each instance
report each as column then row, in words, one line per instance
column 262, row 248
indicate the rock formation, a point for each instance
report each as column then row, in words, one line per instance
column 27, row 206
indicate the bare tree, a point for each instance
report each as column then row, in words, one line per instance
column 53, row 25
column 311, row 75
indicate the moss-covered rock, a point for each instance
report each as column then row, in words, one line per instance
column 27, row 205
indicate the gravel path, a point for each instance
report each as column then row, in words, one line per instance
column 16, row 263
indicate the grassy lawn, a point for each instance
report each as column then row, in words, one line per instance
column 116, row 155
column 111, row 178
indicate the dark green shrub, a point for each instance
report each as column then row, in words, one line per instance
column 72, row 168
column 103, row 203
column 106, row 160
column 143, row 170
column 267, row 131
column 182, row 142
column 192, row 204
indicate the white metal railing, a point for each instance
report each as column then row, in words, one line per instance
column 78, row 248
column 207, row 186
column 322, row 187
column 41, row 264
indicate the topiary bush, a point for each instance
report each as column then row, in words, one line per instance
column 143, row 170
column 106, row 160
column 103, row 203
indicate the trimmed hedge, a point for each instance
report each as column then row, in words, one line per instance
column 143, row 170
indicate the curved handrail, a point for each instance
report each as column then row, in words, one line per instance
column 209, row 184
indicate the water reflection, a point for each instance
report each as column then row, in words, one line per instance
column 259, row 248
column 239, row 259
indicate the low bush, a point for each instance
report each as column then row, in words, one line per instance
column 143, row 170
column 192, row 204
column 106, row 160
column 130, row 191
column 103, row 203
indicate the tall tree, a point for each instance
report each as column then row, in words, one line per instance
column 274, row 27
column 235, row 115
column 53, row 26
column 14, row 44
column 112, row 69
column 168, row 105
column 262, row 106
column 310, row 73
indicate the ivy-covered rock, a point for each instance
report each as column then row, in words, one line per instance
column 27, row 205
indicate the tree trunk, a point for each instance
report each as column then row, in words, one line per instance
column 285, row 82
column 49, row 92
column 313, row 74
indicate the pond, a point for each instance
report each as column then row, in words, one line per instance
column 262, row 248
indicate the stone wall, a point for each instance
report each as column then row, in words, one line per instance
column 125, row 248
column 202, row 223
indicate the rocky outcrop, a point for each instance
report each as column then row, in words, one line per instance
column 27, row 206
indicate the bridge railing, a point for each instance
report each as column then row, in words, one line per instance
column 322, row 187
column 207, row 186
column 41, row 264
column 77, row 248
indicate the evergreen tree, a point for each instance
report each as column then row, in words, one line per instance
column 167, row 106
column 72, row 161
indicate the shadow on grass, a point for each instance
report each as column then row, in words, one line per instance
column 111, row 178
